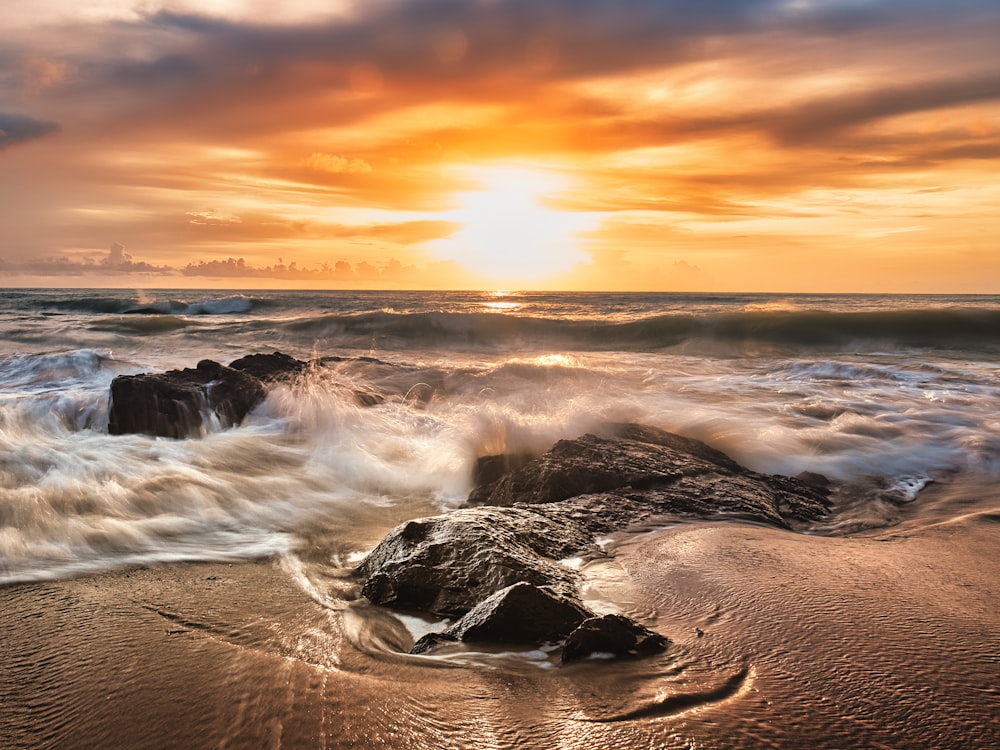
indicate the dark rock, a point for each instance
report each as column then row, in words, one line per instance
column 640, row 471
column 521, row 613
column 278, row 366
column 430, row 642
column 487, row 564
column 176, row 404
column 270, row 367
column 368, row 398
column 447, row 564
column 612, row 634
column 629, row 455
column 489, row 469
column 813, row 479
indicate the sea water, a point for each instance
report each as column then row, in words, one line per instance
column 884, row 393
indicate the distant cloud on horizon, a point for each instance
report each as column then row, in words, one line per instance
column 118, row 262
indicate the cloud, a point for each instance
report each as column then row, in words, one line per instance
column 41, row 73
column 116, row 262
column 212, row 218
column 336, row 164
column 17, row 129
column 196, row 137
column 819, row 119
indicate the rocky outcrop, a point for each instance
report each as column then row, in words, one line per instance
column 530, row 513
column 446, row 565
column 647, row 471
column 521, row 613
column 270, row 367
column 177, row 403
column 614, row 635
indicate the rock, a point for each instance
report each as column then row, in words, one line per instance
column 813, row 479
column 368, row 398
column 175, row 404
column 495, row 564
column 629, row 455
column 445, row 565
column 612, row 634
column 521, row 613
column 270, row 367
column 430, row 642
column 275, row 367
column 490, row 469
column 637, row 471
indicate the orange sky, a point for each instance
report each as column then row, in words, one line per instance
column 753, row 145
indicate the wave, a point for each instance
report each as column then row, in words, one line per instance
column 142, row 325
column 975, row 328
column 231, row 305
column 47, row 369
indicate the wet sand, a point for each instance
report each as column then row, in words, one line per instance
column 889, row 638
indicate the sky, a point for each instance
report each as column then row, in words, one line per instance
column 664, row 145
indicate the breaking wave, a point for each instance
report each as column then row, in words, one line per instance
column 232, row 305
column 969, row 328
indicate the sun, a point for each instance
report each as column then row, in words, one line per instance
column 507, row 235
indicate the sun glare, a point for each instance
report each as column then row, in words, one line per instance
column 507, row 234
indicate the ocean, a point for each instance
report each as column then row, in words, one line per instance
column 889, row 391
column 201, row 592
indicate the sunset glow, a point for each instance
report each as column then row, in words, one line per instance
column 508, row 234
column 747, row 144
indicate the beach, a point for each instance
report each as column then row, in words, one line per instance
column 884, row 640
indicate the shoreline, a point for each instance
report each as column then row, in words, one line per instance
column 886, row 638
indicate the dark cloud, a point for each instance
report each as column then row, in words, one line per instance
column 15, row 129
column 455, row 50
column 817, row 120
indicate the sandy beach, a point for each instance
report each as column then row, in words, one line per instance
column 885, row 639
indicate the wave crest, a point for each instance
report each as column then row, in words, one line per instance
column 231, row 305
column 770, row 329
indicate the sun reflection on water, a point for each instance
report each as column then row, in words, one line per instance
column 499, row 304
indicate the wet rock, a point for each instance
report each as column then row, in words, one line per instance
column 270, row 367
column 521, row 613
column 368, row 398
column 640, row 471
column 813, row 479
column 276, row 367
column 445, row 565
column 490, row 469
column 487, row 563
column 176, row 404
column 626, row 455
column 426, row 644
column 612, row 634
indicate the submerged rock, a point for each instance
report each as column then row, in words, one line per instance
column 612, row 634
column 176, row 404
